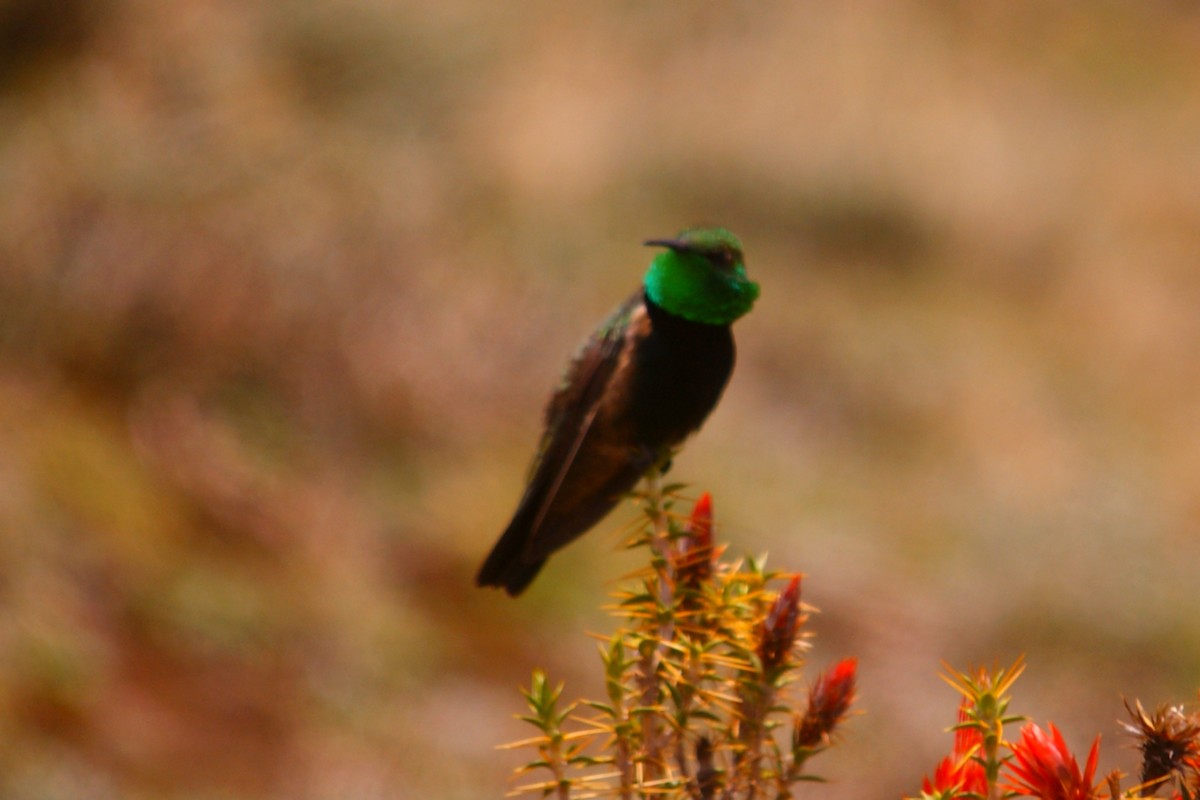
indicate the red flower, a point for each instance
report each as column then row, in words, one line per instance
column 829, row 700
column 1043, row 767
column 959, row 773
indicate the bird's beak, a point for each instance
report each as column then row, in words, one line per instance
column 674, row 244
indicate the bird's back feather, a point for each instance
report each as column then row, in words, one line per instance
column 540, row 525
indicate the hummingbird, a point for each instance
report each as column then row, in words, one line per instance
column 633, row 392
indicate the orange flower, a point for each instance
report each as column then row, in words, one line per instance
column 1043, row 767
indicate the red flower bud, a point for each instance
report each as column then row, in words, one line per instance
column 778, row 632
column 700, row 525
column 829, row 701
column 694, row 558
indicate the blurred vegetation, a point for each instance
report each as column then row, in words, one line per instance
column 283, row 286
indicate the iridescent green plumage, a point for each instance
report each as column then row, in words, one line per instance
column 645, row 380
column 701, row 277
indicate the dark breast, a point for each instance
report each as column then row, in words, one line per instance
column 679, row 370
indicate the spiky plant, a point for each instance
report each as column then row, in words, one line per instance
column 700, row 679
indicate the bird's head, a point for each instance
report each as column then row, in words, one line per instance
column 701, row 276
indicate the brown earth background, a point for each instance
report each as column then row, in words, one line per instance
column 283, row 287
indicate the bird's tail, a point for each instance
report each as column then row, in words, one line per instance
column 506, row 566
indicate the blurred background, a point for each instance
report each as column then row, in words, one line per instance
column 284, row 286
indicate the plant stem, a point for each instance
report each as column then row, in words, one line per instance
column 651, row 658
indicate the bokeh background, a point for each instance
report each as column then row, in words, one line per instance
column 284, row 285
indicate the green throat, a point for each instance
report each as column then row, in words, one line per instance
column 701, row 276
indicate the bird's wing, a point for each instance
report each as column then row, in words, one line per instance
column 572, row 410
